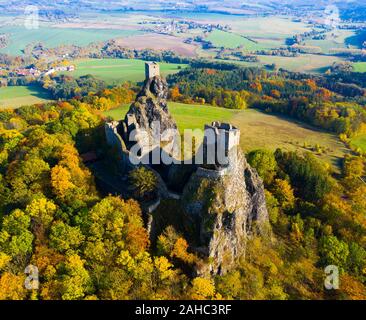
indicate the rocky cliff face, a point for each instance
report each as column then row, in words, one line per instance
column 222, row 212
column 151, row 105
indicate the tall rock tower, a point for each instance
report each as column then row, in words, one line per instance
column 224, row 203
column 151, row 102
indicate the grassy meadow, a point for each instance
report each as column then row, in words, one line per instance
column 51, row 37
column 308, row 63
column 114, row 71
column 343, row 39
column 274, row 27
column 231, row 40
column 359, row 67
column 266, row 32
column 359, row 142
column 258, row 129
column 14, row 97
column 262, row 130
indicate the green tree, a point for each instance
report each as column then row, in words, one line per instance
column 42, row 211
column 229, row 285
column 353, row 167
column 333, row 252
column 116, row 224
column 64, row 237
column 28, row 178
column 15, row 238
column 265, row 163
column 75, row 281
column 144, row 181
column 356, row 263
column 308, row 175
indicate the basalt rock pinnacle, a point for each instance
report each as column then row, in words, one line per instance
column 151, row 105
column 224, row 212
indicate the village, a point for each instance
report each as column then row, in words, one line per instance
column 30, row 72
column 181, row 26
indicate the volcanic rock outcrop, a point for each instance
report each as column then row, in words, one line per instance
column 151, row 106
column 223, row 211
column 219, row 204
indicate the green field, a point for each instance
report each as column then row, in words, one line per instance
column 14, row 97
column 271, row 27
column 20, row 37
column 359, row 67
column 267, row 32
column 258, row 129
column 269, row 131
column 308, row 63
column 231, row 40
column 114, row 71
column 342, row 40
column 359, row 142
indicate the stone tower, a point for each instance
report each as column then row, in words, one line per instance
column 151, row 70
column 218, row 142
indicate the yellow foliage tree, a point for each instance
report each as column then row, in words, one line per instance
column 284, row 193
column 180, row 251
column 12, row 287
column 61, row 181
column 202, row 289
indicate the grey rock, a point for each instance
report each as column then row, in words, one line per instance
column 151, row 105
column 225, row 211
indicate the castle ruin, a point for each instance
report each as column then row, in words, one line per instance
column 213, row 158
column 220, row 143
column 220, row 195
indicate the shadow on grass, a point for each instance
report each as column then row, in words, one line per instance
column 356, row 40
column 39, row 92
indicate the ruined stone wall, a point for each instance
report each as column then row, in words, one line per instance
column 233, row 139
column 112, row 135
column 115, row 141
column 211, row 174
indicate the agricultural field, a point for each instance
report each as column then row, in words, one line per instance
column 258, row 129
column 343, row 39
column 159, row 42
column 262, row 130
column 252, row 33
column 51, row 37
column 308, row 63
column 275, row 27
column 115, row 71
column 231, row 40
column 324, row 46
column 359, row 142
column 359, row 67
column 14, row 97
